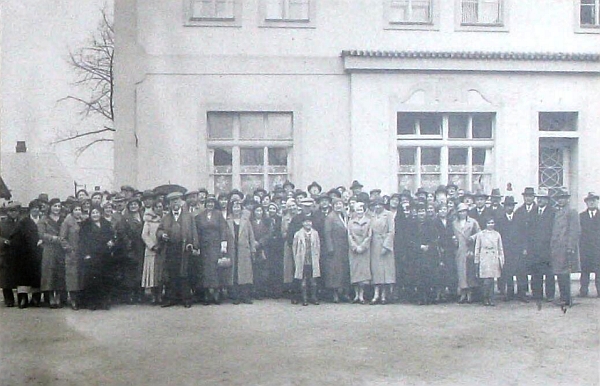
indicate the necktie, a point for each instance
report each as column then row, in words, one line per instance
column 541, row 211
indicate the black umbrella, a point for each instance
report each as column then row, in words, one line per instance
column 170, row 188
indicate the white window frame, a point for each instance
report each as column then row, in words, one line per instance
column 284, row 22
column 444, row 143
column 237, row 143
column 502, row 26
column 585, row 28
column 432, row 24
column 191, row 21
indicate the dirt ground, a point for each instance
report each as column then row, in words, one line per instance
column 275, row 343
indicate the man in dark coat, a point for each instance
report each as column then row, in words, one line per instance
column 446, row 277
column 7, row 258
column 538, row 250
column 589, row 244
column 509, row 228
column 177, row 230
column 427, row 256
column 480, row 213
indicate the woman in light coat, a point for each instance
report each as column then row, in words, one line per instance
column 69, row 232
column 53, row 255
column 307, row 253
column 359, row 235
column 464, row 227
column 383, row 264
column 288, row 258
column 241, row 247
column 489, row 258
column 152, row 271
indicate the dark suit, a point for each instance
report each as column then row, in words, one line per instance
column 589, row 249
column 539, row 254
column 447, row 270
column 482, row 217
column 514, row 244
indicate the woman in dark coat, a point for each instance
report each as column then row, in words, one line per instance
column 69, row 232
column 212, row 233
column 95, row 244
column 336, row 267
column 274, row 252
column 132, row 262
column 7, row 256
column 25, row 242
column 261, row 226
column 53, row 255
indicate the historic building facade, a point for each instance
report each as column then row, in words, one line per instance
column 395, row 93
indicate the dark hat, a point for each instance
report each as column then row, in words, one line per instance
column 562, row 192
column 496, row 193
column 356, row 185
column 376, row 201
column 396, row 195
column 529, row 191
column 421, row 190
column 479, row 193
column 323, row 196
column 299, row 193
column 363, row 197
column 376, row 190
column 591, row 196
column 132, row 200
column 43, row 197
column 202, row 190
column 259, row 190
column 314, row 184
column 13, row 205
column 238, row 192
column 212, row 197
column 118, row 198
column 441, row 189
column 148, row 194
column 509, row 200
column 452, row 185
column 174, row 195
column 289, row 183
column 543, row 192
column 54, row 201
column 127, row 188
column 334, row 192
column 341, row 189
column 33, row 204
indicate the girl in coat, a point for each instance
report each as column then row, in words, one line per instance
column 383, row 267
column 241, row 246
column 53, row 255
column 359, row 235
column 153, row 258
column 69, row 232
column 336, row 266
column 489, row 258
column 307, row 250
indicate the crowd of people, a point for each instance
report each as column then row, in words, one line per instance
column 172, row 246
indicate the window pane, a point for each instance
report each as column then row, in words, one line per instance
column 457, row 160
column 298, row 9
column 279, row 126
column 430, row 181
column 408, row 182
column 469, row 11
column 252, row 126
column 558, row 121
column 482, row 160
column 407, row 158
column 459, row 180
column 406, row 124
column 399, row 11
column 278, row 156
column 482, row 125
column 252, row 156
column 431, row 124
column 220, row 125
column 222, row 157
column 489, row 12
column 482, row 182
column 276, row 179
column 203, row 9
column 457, row 125
column 587, row 14
column 274, row 9
column 430, row 160
column 251, row 182
column 421, row 11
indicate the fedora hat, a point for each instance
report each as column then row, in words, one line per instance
column 495, row 193
column 543, row 192
column 529, row 191
column 562, row 192
column 591, row 196
column 509, row 200
column 356, row 185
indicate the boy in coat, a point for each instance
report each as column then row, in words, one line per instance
column 307, row 252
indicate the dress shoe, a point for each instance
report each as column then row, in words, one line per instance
column 167, row 304
column 247, row 301
column 315, row 302
column 362, row 301
column 236, row 301
column 9, row 305
column 187, row 304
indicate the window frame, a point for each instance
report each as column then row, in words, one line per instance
column 432, row 25
column 190, row 21
column 587, row 28
column 444, row 143
column 503, row 26
column 263, row 22
column 237, row 143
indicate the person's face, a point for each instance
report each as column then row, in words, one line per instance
column 288, row 189
column 430, row 210
column 469, row 200
column 95, row 215
column 528, row 199
column 257, row 198
column 421, row 214
column 127, row 193
column 592, row 203
column 378, row 208
column 314, row 190
column 292, row 208
column 56, row 208
column 175, row 204
column 159, row 208
column 210, row 205
column 338, row 206
column 272, row 211
column 356, row 191
column 480, row 202
column 324, row 204
column 223, row 202
column 13, row 213
column 44, row 207
column 451, row 191
column 306, row 209
column 490, row 224
column 405, row 208
column 441, row 197
column 346, row 196
column 192, row 199
column 86, row 205
column 77, row 212
column 266, row 200
column 562, row 201
column 82, row 195
column 542, row 201
column 509, row 209
column 394, row 202
column 359, row 209
column 201, row 197
column 119, row 206
column 34, row 212
column 258, row 212
column 236, row 208
column 307, row 224
column 443, row 211
column 430, row 197
column 404, row 200
column 148, row 202
column 108, row 210
column 96, row 200
column 236, row 197
column 496, row 200
column 462, row 214
column 134, row 206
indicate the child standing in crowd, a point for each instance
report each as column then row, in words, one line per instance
column 489, row 259
column 307, row 251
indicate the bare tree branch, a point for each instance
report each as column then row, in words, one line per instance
column 85, row 147
column 105, row 129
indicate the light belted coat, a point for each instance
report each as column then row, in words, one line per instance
column 245, row 247
column 565, row 235
column 299, row 248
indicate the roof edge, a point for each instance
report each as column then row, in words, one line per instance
column 477, row 55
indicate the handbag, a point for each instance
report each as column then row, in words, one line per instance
column 224, row 262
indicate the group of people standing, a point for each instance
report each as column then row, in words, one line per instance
column 181, row 247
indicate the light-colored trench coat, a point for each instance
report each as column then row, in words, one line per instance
column 299, row 249
column 489, row 253
column 565, row 235
column 69, row 231
column 246, row 248
column 465, row 265
column 383, row 264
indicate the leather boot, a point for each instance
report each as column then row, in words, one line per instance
column 9, row 297
column 23, row 300
column 313, row 295
column 304, row 296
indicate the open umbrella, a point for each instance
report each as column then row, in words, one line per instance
column 170, row 188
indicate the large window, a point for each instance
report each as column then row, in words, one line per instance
column 439, row 148
column 249, row 150
column 288, row 13
column 589, row 14
column 217, row 13
column 410, row 11
column 477, row 12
